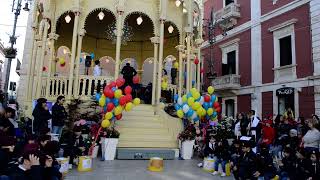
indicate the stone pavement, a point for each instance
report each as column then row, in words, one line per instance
column 137, row 170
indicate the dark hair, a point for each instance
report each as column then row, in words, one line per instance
column 96, row 62
column 10, row 110
column 77, row 129
column 315, row 116
column 42, row 100
column 60, row 98
column 252, row 111
column 43, row 138
column 44, row 131
column 127, row 64
column 7, row 141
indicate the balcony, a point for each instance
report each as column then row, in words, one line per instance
column 227, row 84
column 227, row 17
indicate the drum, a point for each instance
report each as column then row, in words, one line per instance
column 156, row 164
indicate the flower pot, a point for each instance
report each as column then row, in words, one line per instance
column 187, row 149
column 109, row 147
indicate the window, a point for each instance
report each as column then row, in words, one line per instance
column 227, row 2
column 285, row 51
column 229, row 108
column 229, row 67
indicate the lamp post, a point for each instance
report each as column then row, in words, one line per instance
column 11, row 52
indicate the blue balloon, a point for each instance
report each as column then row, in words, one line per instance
column 177, row 107
column 196, row 119
column 114, row 89
column 190, row 113
column 105, row 108
column 189, row 95
column 108, row 100
column 215, row 114
column 115, row 102
column 81, row 60
column 210, row 104
column 213, row 98
column 206, row 105
column 98, row 96
column 193, row 82
column 176, row 96
column 92, row 55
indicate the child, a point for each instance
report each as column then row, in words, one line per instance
column 313, row 167
column 75, row 145
column 209, row 149
column 268, row 133
column 222, row 157
column 287, row 164
column 246, row 167
column 300, row 165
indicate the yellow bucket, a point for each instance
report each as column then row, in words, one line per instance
column 208, row 164
column 85, row 164
column 64, row 165
column 155, row 164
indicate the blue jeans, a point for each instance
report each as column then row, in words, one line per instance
column 223, row 164
column 57, row 130
column 4, row 177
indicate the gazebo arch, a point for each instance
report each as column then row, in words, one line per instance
column 168, row 64
column 147, row 76
column 63, row 52
column 107, row 65
column 131, row 61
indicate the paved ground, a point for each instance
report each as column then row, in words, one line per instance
column 137, row 170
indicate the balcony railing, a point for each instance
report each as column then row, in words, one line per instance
column 227, row 17
column 226, row 82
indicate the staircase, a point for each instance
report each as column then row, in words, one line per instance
column 143, row 131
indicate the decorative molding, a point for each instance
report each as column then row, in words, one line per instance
column 155, row 40
column 82, row 32
column 181, row 48
column 283, row 25
column 53, row 36
column 229, row 43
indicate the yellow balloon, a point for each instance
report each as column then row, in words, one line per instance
column 108, row 116
column 128, row 106
column 190, row 101
column 102, row 101
column 184, row 98
column 118, row 110
column 210, row 90
column 105, row 123
column 62, row 61
column 193, row 90
column 118, row 93
column 196, row 106
column 136, row 101
column 199, row 112
column 210, row 111
column 176, row 65
column 180, row 113
column 196, row 95
column 203, row 112
column 164, row 85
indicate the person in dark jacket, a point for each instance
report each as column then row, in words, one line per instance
column 6, row 154
column 287, row 164
column 128, row 73
column 41, row 115
column 75, row 145
column 313, row 167
column 210, row 146
column 174, row 72
column 246, row 167
column 300, row 164
column 222, row 157
column 59, row 116
column 244, row 123
column 5, row 123
column 265, row 167
column 28, row 169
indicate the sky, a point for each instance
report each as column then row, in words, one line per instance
column 6, row 25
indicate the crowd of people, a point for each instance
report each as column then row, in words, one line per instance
column 280, row 148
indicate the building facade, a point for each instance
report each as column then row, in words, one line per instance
column 266, row 55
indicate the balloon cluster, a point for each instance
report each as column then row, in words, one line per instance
column 196, row 107
column 114, row 101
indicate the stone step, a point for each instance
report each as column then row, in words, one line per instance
column 143, row 130
column 123, row 143
column 145, row 153
column 144, row 137
column 139, row 124
column 141, row 118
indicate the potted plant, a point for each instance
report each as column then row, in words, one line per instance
column 10, row 52
column 109, row 142
column 186, row 142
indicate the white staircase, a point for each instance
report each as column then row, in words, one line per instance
column 141, row 128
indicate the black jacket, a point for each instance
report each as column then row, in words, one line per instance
column 208, row 150
column 221, row 152
column 128, row 72
column 247, row 165
column 312, row 169
column 59, row 115
column 41, row 117
column 35, row 173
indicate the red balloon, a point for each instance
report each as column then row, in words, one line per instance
column 118, row 117
column 109, row 94
column 136, row 79
column 128, row 90
column 196, row 61
column 62, row 65
column 128, row 97
column 44, row 68
column 120, row 82
column 122, row 100
column 216, row 105
column 112, row 84
column 201, row 70
column 218, row 109
column 207, row 98
column 110, row 107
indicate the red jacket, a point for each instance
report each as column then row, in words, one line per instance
column 268, row 135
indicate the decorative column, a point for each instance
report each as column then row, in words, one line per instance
column 52, row 38
column 160, row 64
column 180, row 48
column 199, row 43
column 73, row 52
column 82, row 32
column 189, row 85
column 42, row 54
column 120, row 11
column 155, row 41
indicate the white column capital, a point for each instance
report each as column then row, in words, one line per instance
column 82, row 32
column 53, row 36
column 76, row 11
column 39, row 43
column 192, row 56
column 120, row 9
column 155, row 40
column 181, row 48
column 162, row 20
column 199, row 42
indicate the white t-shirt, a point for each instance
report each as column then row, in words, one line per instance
column 97, row 71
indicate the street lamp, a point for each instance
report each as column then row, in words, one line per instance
column 11, row 51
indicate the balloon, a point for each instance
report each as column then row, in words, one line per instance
column 62, row 61
column 185, row 108
column 196, row 61
column 177, row 107
column 108, row 93
column 128, row 97
column 44, row 68
column 218, row 110
column 98, row 96
column 136, row 101
column 180, row 113
column 184, row 98
column 92, row 55
column 175, row 97
column 190, row 101
column 122, row 100
column 199, row 112
column 62, row 65
column 114, row 89
column 105, row 123
column 115, row 102
column 216, row 105
column 118, row 110
column 196, row 95
column 128, row 90
column 210, row 111
column 201, row 101
column 205, row 105
column 194, row 115
column 118, row 117
column 129, row 106
column 176, row 65
column 120, row 82
column 136, row 79
column 112, row 84
column 190, row 113
column 213, row 98
column 196, row 106
column 189, row 95
column 164, row 85
column 203, row 112
column 207, row 98
column 193, row 90
column 196, row 119
column 102, row 101
column 214, row 114
column 110, row 107
column 210, row 90
column 201, row 70
column 118, row 93
column 180, row 102
column 108, row 116
column 193, row 82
